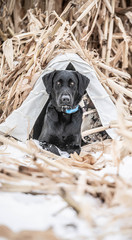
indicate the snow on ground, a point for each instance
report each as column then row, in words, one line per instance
column 21, row 211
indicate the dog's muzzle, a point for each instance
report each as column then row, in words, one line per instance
column 65, row 100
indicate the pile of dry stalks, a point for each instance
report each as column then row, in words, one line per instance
column 76, row 180
column 100, row 32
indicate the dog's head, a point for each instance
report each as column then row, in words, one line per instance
column 65, row 87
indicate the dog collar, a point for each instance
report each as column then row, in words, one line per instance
column 70, row 111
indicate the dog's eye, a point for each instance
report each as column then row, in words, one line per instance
column 58, row 83
column 71, row 83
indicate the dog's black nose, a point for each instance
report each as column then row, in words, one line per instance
column 65, row 98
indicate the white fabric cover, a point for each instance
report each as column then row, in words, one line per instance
column 21, row 121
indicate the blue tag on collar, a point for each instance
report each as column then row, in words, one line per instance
column 70, row 111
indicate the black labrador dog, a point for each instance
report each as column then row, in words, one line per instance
column 59, row 123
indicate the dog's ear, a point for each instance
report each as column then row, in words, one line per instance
column 83, row 82
column 48, row 81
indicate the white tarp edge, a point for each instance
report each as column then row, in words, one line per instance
column 21, row 121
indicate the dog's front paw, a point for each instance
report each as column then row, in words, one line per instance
column 49, row 147
column 74, row 148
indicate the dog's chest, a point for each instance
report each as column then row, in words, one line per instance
column 62, row 128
